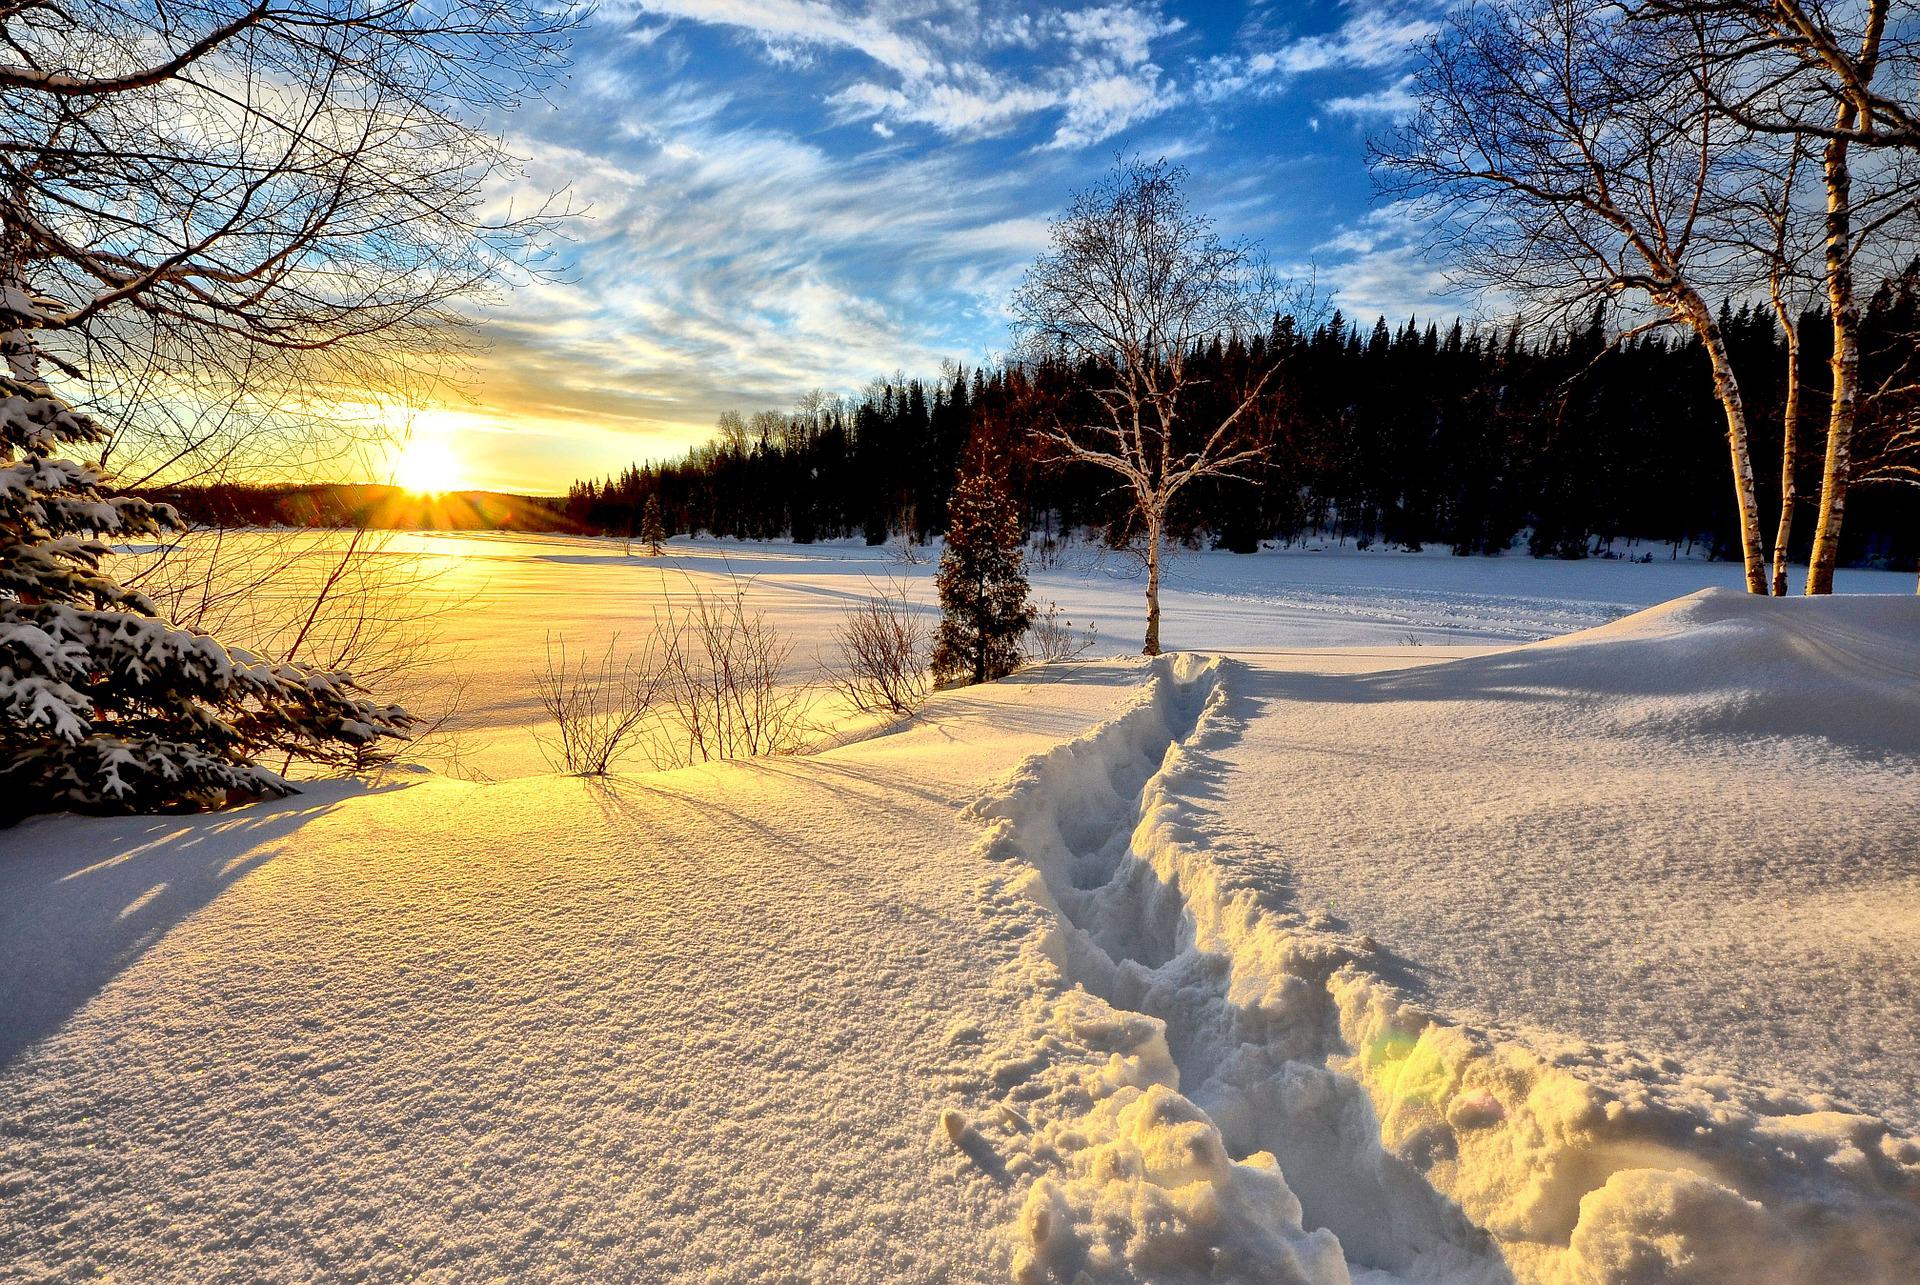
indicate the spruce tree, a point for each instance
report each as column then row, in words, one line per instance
column 652, row 534
column 105, row 707
column 983, row 586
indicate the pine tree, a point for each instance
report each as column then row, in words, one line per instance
column 104, row 707
column 983, row 586
column 652, row 534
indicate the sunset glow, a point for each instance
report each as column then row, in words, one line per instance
column 428, row 465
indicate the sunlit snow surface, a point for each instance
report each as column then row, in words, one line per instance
column 1376, row 950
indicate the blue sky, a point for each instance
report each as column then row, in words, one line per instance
column 788, row 194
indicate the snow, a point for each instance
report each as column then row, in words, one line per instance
column 495, row 600
column 1364, row 943
column 684, row 1026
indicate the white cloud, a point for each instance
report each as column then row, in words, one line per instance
column 1379, row 266
column 1393, row 102
column 723, row 266
column 1092, row 66
column 1373, row 36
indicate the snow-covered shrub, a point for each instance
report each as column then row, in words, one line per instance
column 104, row 705
column 883, row 646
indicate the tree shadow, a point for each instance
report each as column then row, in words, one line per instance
column 83, row 898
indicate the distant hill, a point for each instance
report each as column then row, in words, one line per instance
column 354, row 504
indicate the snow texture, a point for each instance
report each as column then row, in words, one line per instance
column 1170, row 974
column 1337, row 958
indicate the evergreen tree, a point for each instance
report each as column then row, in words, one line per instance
column 651, row 533
column 104, row 707
column 983, row 586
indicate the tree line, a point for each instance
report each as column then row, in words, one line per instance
column 1472, row 438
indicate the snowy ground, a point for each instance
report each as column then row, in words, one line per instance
column 493, row 602
column 1376, row 949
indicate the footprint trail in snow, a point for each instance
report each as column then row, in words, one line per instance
column 1209, row 1085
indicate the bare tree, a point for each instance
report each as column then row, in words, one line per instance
column 222, row 219
column 1844, row 75
column 1569, row 153
column 1134, row 281
column 1781, row 236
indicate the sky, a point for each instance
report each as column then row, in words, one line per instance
column 782, row 195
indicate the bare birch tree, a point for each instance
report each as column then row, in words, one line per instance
column 1568, row 153
column 1844, row 75
column 1780, row 235
column 1134, row 282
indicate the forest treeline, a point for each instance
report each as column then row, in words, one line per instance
column 1476, row 439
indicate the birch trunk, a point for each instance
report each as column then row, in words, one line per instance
column 1152, row 647
column 1845, row 363
column 1727, row 388
column 1789, row 451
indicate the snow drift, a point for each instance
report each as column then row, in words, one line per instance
column 1719, row 663
column 1213, row 1085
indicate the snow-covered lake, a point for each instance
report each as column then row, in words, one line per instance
column 1369, row 941
column 491, row 603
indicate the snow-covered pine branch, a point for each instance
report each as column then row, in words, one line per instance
column 104, row 706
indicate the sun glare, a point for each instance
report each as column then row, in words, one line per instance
column 427, row 466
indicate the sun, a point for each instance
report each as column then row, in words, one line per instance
column 427, row 466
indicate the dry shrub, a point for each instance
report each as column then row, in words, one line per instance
column 884, row 646
column 597, row 704
column 1052, row 637
column 721, row 687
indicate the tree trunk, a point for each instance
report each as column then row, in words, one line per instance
column 1789, row 451
column 1152, row 647
column 1727, row 388
column 1845, row 361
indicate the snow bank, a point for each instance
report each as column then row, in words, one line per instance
column 1212, row 1085
column 1720, row 663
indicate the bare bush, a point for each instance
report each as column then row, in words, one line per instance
column 1052, row 637
column 884, row 645
column 904, row 553
column 721, row 685
column 1044, row 552
column 597, row 704
column 341, row 602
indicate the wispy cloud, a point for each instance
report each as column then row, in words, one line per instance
column 786, row 194
column 1390, row 102
column 1371, row 36
column 1093, row 69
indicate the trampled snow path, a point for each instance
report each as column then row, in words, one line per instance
column 1205, row 1075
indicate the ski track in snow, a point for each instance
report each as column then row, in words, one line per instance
column 1211, row 1086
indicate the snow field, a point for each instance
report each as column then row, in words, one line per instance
column 1352, row 957
column 682, row 1026
column 1206, row 1072
column 491, row 602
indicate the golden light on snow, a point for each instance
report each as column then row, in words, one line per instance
column 427, row 465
